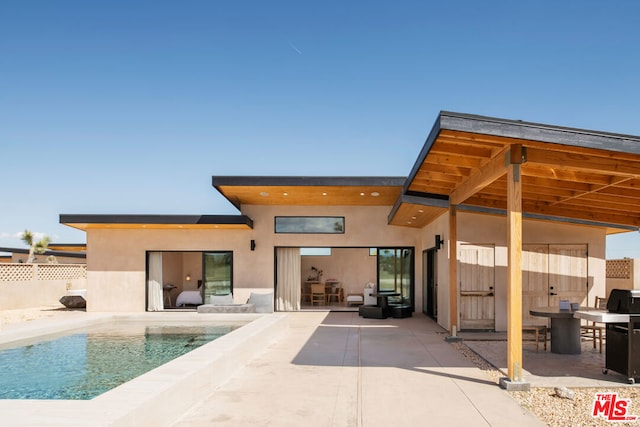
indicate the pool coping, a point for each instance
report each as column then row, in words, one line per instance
column 160, row 396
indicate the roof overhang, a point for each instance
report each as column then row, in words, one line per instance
column 309, row 191
column 47, row 252
column 567, row 174
column 86, row 222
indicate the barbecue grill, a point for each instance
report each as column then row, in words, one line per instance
column 623, row 334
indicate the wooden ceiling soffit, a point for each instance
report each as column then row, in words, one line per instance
column 611, row 227
column 311, row 195
column 493, row 169
column 417, row 211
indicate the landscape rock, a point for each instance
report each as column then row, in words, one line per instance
column 564, row 393
column 73, row 301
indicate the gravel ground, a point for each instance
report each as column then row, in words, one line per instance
column 553, row 410
column 8, row 317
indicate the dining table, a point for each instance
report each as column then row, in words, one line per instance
column 565, row 329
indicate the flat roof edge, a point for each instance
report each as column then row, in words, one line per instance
column 539, row 132
column 303, row 181
column 69, row 254
column 155, row 219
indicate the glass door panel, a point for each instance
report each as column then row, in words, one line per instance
column 395, row 273
column 217, row 273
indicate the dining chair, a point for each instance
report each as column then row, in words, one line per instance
column 595, row 328
column 318, row 294
column 305, row 295
column 335, row 293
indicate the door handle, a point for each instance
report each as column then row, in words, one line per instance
column 552, row 293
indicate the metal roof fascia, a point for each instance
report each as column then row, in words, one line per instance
column 155, row 219
column 304, row 181
column 69, row 254
column 431, row 138
column 540, row 132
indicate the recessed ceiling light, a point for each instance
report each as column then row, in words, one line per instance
column 375, row 194
column 324, row 194
column 408, row 222
column 414, row 217
column 264, row 193
column 285, row 194
column 420, row 210
column 362, row 194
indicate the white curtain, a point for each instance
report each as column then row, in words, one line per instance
column 288, row 279
column 154, row 286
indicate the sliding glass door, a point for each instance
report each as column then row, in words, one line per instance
column 395, row 273
column 217, row 273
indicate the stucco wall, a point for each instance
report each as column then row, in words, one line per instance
column 629, row 278
column 116, row 258
column 488, row 229
column 34, row 285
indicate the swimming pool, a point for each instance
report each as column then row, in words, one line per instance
column 159, row 396
column 85, row 364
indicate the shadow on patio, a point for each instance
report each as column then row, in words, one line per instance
column 415, row 344
column 546, row 369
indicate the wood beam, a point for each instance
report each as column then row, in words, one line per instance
column 514, row 272
column 489, row 172
column 453, row 271
column 581, row 162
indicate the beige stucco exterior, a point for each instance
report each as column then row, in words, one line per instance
column 490, row 229
column 117, row 257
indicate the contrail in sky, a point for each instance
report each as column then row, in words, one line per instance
column 295, row 48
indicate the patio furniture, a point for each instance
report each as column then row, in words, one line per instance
column 355, row 299
column 263, row 301
column 539, row 332
column 318, row 294
column 595, row 328
column 335, row 292
column 400, row 311
column 372, row 312
column 565, row 329
column 305, row 295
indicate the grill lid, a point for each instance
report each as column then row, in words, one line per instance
column 624, row 301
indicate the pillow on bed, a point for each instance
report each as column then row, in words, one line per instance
column 221, row 299
column 262, row 302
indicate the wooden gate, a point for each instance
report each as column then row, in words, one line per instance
column 535, row 281
column 476, row 267
column 551, row 273
column 567, row 274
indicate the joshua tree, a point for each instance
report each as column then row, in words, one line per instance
column 34, row 247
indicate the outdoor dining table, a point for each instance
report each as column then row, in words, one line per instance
column 565, row 329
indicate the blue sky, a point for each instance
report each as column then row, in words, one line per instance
column 131, row 106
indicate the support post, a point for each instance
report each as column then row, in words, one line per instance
column 453, row 274
column 514, row 271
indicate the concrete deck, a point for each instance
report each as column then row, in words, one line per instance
column 338, row 369
column 546, row 369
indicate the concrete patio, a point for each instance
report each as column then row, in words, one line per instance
column 337, row 369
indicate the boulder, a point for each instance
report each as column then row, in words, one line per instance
column 73, row 301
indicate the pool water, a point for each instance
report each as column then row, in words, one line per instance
column 85, row 364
